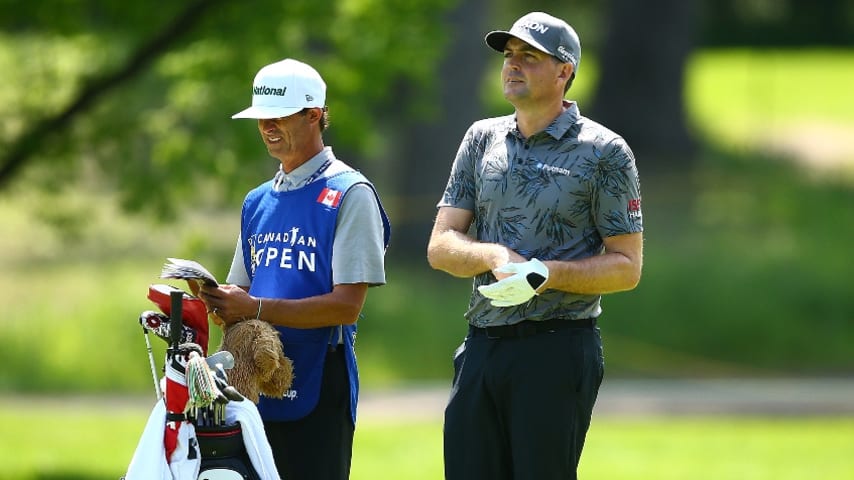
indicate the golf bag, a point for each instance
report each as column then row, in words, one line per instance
column 201, row 428
column 224, row 455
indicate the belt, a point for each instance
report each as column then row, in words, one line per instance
column 527, row 328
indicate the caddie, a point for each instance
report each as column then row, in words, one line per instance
column 312, row 240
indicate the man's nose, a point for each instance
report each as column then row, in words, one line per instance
column 511, row 62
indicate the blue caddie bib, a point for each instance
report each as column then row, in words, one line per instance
column 287, row 251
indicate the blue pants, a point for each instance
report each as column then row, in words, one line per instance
column 520, row 407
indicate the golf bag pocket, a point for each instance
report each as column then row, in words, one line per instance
column 224, row 454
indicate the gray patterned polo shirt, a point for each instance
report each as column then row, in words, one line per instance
column 553, row 196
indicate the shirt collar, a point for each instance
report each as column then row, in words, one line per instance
column 564, row 121
column 561, row 124
column 298, row 176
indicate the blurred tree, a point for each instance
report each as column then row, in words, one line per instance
column 641, row 87
column 155, row 125
column 424, row 145
column 142, row 96
column 97, row 85
column 779, row 23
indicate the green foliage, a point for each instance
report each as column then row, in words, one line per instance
column 741, row 268
column 744, row 265
column 741, row 97
column 166, row 136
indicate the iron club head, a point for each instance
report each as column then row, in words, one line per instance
column 222, row 357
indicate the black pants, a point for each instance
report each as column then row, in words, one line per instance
column 320, row 445
column 520, row 407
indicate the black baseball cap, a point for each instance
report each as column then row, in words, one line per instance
column 545, row 33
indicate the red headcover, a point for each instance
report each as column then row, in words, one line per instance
column 194, row 312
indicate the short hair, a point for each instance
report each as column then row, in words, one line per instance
column 569, row 83
column 324, row 117
column 571, row 77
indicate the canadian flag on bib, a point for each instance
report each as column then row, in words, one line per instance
column 329, row 197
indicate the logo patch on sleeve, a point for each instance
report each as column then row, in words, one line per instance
column 634, row 208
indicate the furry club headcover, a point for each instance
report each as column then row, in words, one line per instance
column 260, row 365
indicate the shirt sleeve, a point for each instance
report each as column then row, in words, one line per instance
column 617, row 197
column 460, row 190
column 237, row 274
column 358, row 251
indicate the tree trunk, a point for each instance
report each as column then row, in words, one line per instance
column 426, row 148
column 641, row 89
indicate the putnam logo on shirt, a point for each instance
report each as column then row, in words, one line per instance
column 329, row 197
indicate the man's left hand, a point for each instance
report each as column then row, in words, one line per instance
column 228, row 303
column 519, row 287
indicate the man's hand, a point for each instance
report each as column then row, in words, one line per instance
column 229, row 303
column 519, row 287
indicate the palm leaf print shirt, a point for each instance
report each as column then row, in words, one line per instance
column 552, row 196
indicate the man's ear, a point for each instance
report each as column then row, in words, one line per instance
column 566, row 71
column 314, row 114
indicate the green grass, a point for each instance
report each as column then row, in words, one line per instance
column 85, row 442
column 718, row 448
column 410, row 450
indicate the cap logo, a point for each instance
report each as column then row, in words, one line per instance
column 565, row 54
column 309, row 98
column 265, row 90
column 536, row 26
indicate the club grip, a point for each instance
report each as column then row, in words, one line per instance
column 176, row 323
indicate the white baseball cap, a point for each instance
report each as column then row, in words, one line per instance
column 284, row 88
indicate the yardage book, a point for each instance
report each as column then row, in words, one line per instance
column 188, row 270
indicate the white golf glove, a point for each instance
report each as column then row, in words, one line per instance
column 519, row 287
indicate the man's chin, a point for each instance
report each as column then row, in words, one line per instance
column 515, row 89
column 513, row 95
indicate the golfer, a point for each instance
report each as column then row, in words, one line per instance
column 312, row 240
column 553, row 202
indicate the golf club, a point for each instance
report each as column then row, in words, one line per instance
column 151, row 363
column 225, row 358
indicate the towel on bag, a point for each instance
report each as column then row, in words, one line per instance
column 149, row 459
